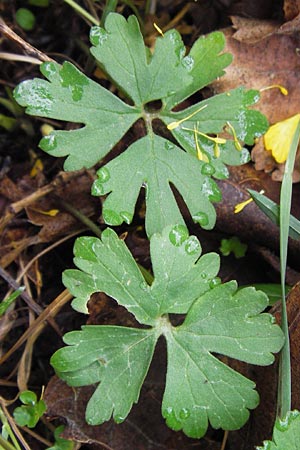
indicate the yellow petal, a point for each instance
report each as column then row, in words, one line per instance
column 278, row 138
column 37, row 168
column 240, row 206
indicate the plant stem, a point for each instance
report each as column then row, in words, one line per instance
column 82, row 11
column 5, row 445
column 110, row 6
column 80, row 216
column 6, row 425
column 284, row 381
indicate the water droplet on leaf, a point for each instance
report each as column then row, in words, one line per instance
column 168, row 412
column 73, row 79
column 97, row 188
column 49, row 69
column 144, row 286
column 112, row 217
column 119, row 419
column 169, row 145
column 211, row 190
column 103, row 174
column 48, row 143
column 201, row 218
column 215, row 282
column 203, row 275
column 184, row 413
column 188, row 62
column 207, row 169
column 127, row 216
column 98, row 35
column 171, row 419
column 192, row 245
column 178, row 235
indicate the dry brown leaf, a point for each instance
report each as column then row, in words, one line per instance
column 251, row 31
column 291, row 9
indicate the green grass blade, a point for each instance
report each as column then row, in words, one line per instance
column 284, row 385
column 271, row 209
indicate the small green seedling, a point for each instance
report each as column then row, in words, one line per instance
column 233, row 245
column 31, row 411
column 25, row 19
column 286, row 433
column 61, row 443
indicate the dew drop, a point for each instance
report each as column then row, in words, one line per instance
column 211, row 190
column 171, row 419
column 48, row 143
column 97, row 188
column 203, row 275
column 119, row 419
column 201, row 218
column 144, row 286
column 184, row 413
column 207, row 169
column 215, row 282
column 103, row 174
column 74, row 80
column 111, row 217
column 178, row 235
column 192, row 245
column 49, row 69
column 188, row 62
column 98, row 36
column 174, row 37
column 168, row 412
column 169, row 145
column 127, row 216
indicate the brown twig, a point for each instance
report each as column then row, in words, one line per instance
column 29, row 49
column 39, row 324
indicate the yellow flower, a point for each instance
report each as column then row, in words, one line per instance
column 278, row 138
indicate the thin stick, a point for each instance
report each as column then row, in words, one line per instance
column 82, row 11
column 47, row 314
column 29, row 49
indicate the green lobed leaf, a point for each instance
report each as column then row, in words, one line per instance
column 286, row 433
column 121, row 51
column 211, row 117
column 167, row 75
column 71, row 96
column 207, row 66
column 119, row 357
column 30, row 413
column 106, row 265
column 199, row 387
column 154, row 163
